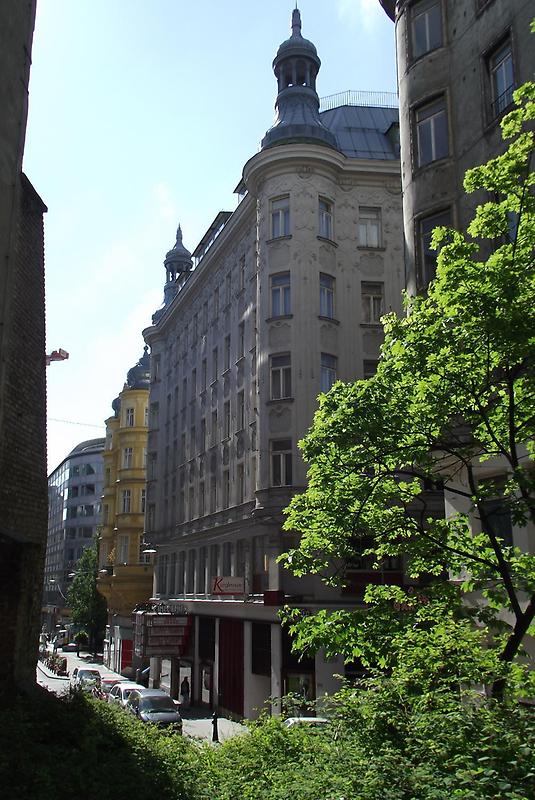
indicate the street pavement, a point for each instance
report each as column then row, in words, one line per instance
column 198, row 723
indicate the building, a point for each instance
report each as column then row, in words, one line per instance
column 74, row 492
column 125, row 577
column 280, row 298
column 458, row 65
column 23, row 499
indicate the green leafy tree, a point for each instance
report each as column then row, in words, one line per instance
column 88, row 607
column 450, row 413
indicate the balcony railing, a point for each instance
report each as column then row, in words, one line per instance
column 359, row 98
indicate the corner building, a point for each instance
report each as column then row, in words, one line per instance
column 125, row 572
column 280, row 298
column 458, row 66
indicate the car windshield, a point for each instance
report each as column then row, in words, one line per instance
column 156, row 704
column 89, row 674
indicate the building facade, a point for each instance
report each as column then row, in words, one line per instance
column 125, row 577
column 458, row 65
column 23, row 514
column 280, row 298
column 74, row 498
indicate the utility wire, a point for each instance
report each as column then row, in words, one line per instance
column 72, row 422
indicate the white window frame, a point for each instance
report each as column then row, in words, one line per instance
column 126, row 501
column 325, row 218
column 123, row 546
column 280, row 372
column 432, row 124
column 370, row 228
column 128, row 457
column 328, row 370
column 327, row 284
column 281, row 462
column 280, row 290
column 129, row 417
column 372, row 298
column 424, row 18
column 502, row 77
column 280, row 216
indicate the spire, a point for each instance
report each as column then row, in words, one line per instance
column 296, row 66
column 178, row 265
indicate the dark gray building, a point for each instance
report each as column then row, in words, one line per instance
column 74, row 512
column 458, row 65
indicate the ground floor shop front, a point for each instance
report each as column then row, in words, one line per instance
column 241, row 666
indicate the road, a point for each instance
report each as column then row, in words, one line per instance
column 197, row 721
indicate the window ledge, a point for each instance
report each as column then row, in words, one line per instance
column 225, row 372
column 240, row 359
column 440, row 162
column 329, row 319
column 277, row 400
column 279, row 238
column 380, row 249
column 326, row 239
column 282, row 316
column 371, row 325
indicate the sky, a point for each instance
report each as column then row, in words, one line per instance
column 142, row 115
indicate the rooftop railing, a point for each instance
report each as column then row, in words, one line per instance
column 359, row 98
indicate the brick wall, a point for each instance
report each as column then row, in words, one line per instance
column 23, row 480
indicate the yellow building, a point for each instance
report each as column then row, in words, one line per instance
column 125, row 576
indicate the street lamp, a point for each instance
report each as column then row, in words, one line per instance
column 57, row 586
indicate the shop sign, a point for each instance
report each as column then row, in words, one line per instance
column 231, row 584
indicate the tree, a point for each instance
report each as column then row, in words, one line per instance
column 449, row 414
column 88, row 607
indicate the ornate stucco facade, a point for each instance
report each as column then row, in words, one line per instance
column 125, row 577
column 280, row 298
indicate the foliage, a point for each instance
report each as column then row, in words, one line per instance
column 88, row 607
column 379, row 746
column 450, row 413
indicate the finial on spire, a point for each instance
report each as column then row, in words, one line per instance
column 296, row 22
column 179, row 233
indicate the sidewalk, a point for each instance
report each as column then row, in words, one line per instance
column 198, row 722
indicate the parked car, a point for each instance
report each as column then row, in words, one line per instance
column 312, row 722
column 120, row 693
column 84, row 679
column 103, row 689
column 155, row 707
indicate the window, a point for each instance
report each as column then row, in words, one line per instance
column 242, row 272
column 201, row 500
column 191, row 503
column 226, row 351
column 426, row 27
column 128, row 455
column 240, row 483
column 432, row 132
column 142, row 500
column 372, row 295
column 184, row 391
column 203, row 375
column 129, row 418
column 213, row 494
column 202, row 443
column 281, row 462
column 214, row 427
column 226, row 488
column 502, row 80
column 126, row 495
column 205, row 316
column 369, row 368
column 156, row 364
column 280, row 217
column 369, row 227
column 122, row 548
column 327, row 371
column 427, row 256
column 146, row 416
column 226, row 420
column 228, row 288
column 498, row 519
column 214, row 364
column 216, row 303
column 280, row 294
column 326, row 296
column 193, row 384
column 325, row 222
column 281, row 376
column 192, row 441
column 241, row 339
column 240, row 411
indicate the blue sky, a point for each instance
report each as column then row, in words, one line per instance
column 142, row 115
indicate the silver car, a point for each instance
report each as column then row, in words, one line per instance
column 120, row 693
column 84, row 679
column 155, row 707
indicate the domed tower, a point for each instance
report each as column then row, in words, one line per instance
column 178, row 265
column 138, row 377
column 296, row 66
